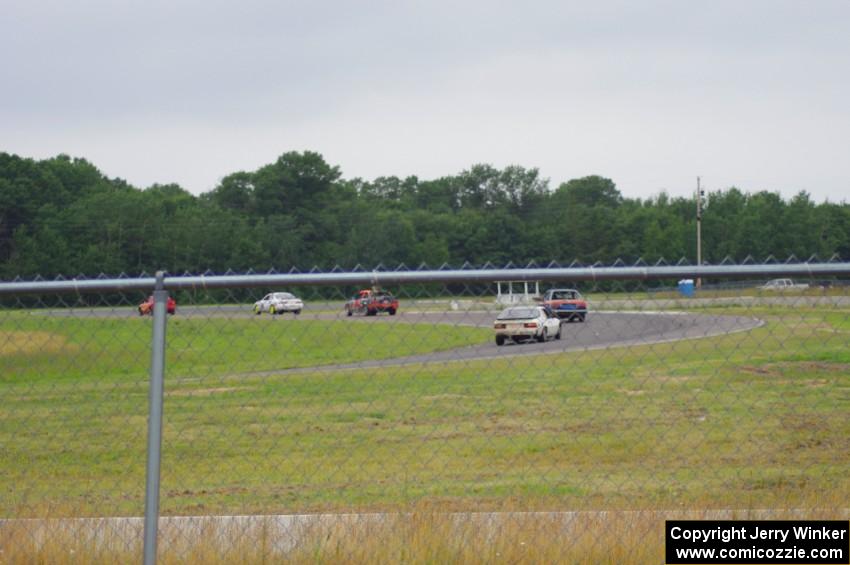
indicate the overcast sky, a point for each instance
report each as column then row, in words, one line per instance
column 754, row 94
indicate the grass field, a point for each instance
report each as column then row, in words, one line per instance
column 50, row 349
column 758, row 419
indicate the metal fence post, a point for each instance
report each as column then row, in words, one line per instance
column 157, row 373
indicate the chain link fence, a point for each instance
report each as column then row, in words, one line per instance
column 473, row 415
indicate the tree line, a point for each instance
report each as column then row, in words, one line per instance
column 62, row 216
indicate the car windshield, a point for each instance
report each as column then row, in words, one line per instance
column 564, row 295
column 284, row 296
column 518, row 313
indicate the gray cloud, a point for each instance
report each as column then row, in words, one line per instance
column 651, row 94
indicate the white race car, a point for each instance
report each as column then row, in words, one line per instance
column 521, row 323
column 278, row 303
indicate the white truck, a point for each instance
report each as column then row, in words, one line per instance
column 783, row 284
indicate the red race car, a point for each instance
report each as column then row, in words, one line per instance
column 146, row 307
column 566, row 303
column 370, row 302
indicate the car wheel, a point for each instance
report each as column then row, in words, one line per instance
column 500, row 340
column 140, row 311
column 391, row 311
column 581, row 317
column 542, row 337
column 348, row 312
column 272, row 310
column 296, row 312
column 257, row 309
column 558, row 335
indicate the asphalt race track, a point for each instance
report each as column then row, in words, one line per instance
column 601, row 330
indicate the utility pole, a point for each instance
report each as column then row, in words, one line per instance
column 699, row 230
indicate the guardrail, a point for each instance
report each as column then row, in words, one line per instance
column 447, row 276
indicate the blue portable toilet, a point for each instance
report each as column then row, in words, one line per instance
column 686, row 287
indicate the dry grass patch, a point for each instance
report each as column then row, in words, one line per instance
column 206, row 391
column 29, row 343
column 793, row 368
column 424, row 533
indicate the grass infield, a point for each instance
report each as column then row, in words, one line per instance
column 756, row 419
